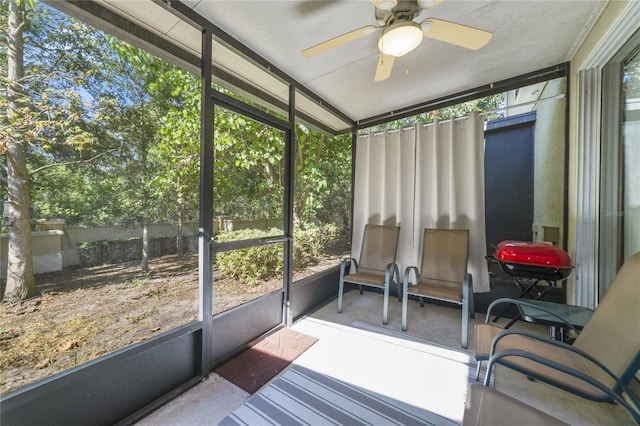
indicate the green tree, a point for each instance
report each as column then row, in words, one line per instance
column 134, row 103
column 248, row 178
column 179, row 147
column 322, row 177
column 21, row 282
column 48, row 70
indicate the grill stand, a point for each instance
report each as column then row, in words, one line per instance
column 528, row 290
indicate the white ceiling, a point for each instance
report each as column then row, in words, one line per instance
column 527, row 36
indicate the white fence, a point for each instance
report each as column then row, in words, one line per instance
column 56, row 246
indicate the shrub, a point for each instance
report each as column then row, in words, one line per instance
column 257, row 264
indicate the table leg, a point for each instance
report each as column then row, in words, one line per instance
column 525, row 293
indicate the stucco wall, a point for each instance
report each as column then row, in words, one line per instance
column 549, row 164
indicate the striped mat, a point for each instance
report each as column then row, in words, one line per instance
column 304, row 397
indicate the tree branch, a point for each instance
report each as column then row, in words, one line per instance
column 66, row 163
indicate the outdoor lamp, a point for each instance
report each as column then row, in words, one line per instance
column 400, row 38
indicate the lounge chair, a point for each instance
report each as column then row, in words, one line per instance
column 604, row 356
column 486, row 332
column 442, row 274
column 377, row 265
column 487, row 407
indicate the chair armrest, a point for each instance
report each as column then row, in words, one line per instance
column 467, row 282
column 347, row 262
column 633, row 406
column 407, row 274
column 389, row 273
column 520, row 302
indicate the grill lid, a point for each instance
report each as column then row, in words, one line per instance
column 532, row 254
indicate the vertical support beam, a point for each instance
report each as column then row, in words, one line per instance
column 354, row 141
column 205, row 235
column 289, row 164
column 588, row 184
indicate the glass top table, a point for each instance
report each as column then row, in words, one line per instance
column 577, row 316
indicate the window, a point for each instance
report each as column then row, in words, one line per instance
column 322, row 201
column 248, row 194
column 112, row 140
column 620, row 173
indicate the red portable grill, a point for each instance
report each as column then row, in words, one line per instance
column 539, row 261
column 528, row 263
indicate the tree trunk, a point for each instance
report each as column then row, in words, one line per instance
column 145, row 247
column 21, row 283
column 180, row 213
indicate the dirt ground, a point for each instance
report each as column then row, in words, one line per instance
column 82, row 314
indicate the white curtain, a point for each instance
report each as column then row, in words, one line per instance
column 450, row 186
column 431, row 176
column 384, row 185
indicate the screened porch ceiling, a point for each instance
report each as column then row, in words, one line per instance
column 340, row 90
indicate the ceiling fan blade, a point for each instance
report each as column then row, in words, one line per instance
column 339, row 40
column 385, row 64
column 458, row 34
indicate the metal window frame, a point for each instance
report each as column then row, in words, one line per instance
column 588, row 256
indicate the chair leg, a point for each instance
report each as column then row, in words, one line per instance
column 340, row 291
column 360, row 288
column 343, row 271
column 467, row 303
column 405, row 299
column 478, row 366
column 385, row 307
column 465, row 323
column 487, row 374
column 472, row 303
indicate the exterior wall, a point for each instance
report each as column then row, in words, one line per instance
column 549, row 160
column 56, row 247
column 76, row 237
column 47, row 256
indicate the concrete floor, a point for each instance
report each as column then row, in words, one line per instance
column 386, row 363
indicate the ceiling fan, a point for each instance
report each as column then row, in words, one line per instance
column 401, row 34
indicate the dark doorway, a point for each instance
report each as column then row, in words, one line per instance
column 508, row 165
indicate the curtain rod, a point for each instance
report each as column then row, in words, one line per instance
column 482, row 114
column 550, row 98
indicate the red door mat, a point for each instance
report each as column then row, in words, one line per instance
column 254, row 367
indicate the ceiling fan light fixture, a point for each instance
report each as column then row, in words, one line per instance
column 400, row 38
column 385, row 4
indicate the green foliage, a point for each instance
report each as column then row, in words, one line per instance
column 631, row 77
column 125, row 146
column 487, row 104
column 248, row 169
column 312, row 243
column 257, row 264
column 253, row 264
column 322, row 178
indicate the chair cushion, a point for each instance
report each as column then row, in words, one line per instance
column 365, row 278
column 554, row 352
column 484, row 336
column 488, row 407
column 437, row 291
